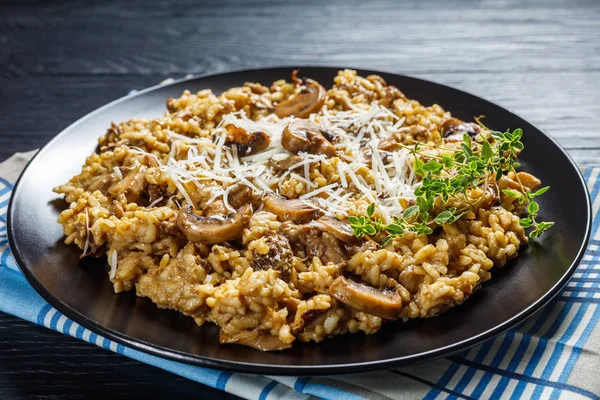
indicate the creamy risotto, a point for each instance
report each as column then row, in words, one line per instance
column 292, row 212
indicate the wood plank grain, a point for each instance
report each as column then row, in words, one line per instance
column 194, row 8
column 380, row 35
column 563, row 105
column 60, row 363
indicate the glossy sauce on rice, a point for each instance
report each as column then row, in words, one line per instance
column 234, row 209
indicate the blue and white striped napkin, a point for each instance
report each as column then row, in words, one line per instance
column 553, row 355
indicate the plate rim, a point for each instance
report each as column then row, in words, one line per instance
column 297, row 370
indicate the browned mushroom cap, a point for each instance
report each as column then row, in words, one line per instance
column 309, row 101
column 380, row 302
column 308, row 241
column 304, row 135
column 291, row 209
column 295, row 136
column 340, row 229
column 453, row 129
column 212, row 230
column 259, row 340
column 248, row 143
column 285, row 164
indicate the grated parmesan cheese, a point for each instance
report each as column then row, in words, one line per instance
column 318, row 191
column 87, row 234
column 213, row 166
column 113, row 264
column 155, row 202
column 118, row 173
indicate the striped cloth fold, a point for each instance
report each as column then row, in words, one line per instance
column 553, row 355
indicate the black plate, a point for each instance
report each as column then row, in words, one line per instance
column 81, row 290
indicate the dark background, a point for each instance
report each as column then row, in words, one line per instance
column 61, row 60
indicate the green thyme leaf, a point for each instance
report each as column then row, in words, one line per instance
column 371, row 209
column 468, row 151
column 370, row 229
column 432, row 166
column 511, row 193
column 387, row 241
column 443, row 217
column 422, row 204
column 423, row 230
column 496, row 135
column 517, row 134
column 394, row 229
column 410, row 212
column 541, row 191
column 448, row 161
column 525, row 222
column 533, row 208
column 418, row 166
column 498, row 174
column 467, row 140
column 486, row 150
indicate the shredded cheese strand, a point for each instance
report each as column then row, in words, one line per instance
column 87, row 234
column 155, row 202
column 118, row 172
column 113, row 264
column 213, row 166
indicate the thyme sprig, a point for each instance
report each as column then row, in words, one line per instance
column 451, row 176
column 533, row 208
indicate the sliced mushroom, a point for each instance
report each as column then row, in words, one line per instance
column 308, row 101
column 241, row 195
column 210, row 230
column 340, row 229
column 453, row 129
column 248, row 143
column 305, row 136
column 238, row 197
column 256, row 339
column 132, row 185
column 217, row 207
column 529, row 181
column 383, row 303
column 295, row 136
column 102, row 182
column 291, row 209
column 285, row 164
column 309, row 241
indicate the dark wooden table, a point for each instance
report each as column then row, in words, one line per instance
column 61, row 60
